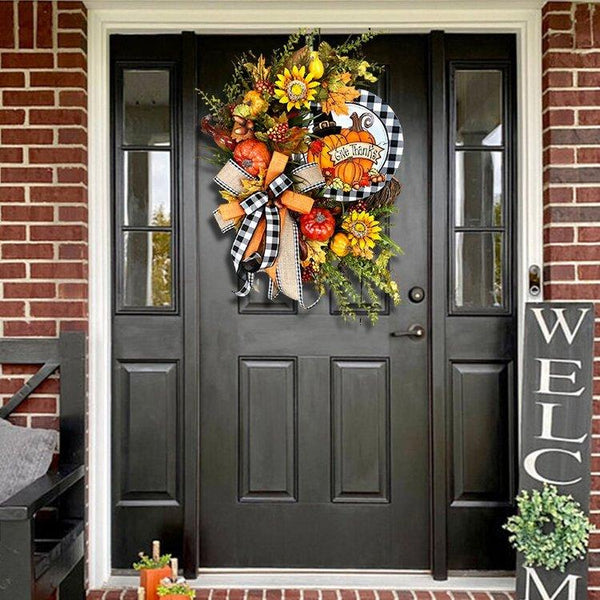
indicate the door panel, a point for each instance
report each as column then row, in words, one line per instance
column 357, row 421
column 149, row 392
column 360, row 441
column 267, row 430
column 257, row 303
column 147, row 330
column 481, row 401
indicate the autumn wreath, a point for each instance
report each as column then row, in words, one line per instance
column 308, row 160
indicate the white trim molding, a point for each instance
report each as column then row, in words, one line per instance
column 334, row 579
column 521, row 17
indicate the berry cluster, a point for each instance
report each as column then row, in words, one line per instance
column 264, row 87
column 360, row 206
column 308, row 274
column 279, row 132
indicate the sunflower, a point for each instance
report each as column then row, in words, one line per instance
column 295, row 88
column 363, row 231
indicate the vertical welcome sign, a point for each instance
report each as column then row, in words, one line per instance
column 555, row 427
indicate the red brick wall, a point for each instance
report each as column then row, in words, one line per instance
column 43, row 155
column 43, row 187
column 571, row 87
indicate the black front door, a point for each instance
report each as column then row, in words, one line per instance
column 314, row 432
column 255, row 434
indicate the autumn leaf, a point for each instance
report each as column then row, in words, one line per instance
column 338, row 93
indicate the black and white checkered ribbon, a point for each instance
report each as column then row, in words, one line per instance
column 256, row 206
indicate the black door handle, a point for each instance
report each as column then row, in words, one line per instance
column 414, row 331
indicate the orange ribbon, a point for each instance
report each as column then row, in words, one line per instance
column 289, row 200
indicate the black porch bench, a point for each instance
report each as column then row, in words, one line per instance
column 42, row 526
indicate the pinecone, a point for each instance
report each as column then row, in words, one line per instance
column 279, row 132
column 360, row 206
column 263, row 86
column 308, row 274
column 387, row 195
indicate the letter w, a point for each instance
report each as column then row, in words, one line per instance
column 560, row 323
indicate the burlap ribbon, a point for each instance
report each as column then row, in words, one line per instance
column 286, row 275
column 258, row 241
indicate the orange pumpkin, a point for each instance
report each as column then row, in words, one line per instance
column 150, row 580
column 350, row 171
column 252, row 155
column 358, row 133
column 319, row 150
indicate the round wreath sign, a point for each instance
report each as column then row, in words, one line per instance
column 550, row 529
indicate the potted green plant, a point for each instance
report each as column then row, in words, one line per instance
column 152, row 570
column 175, row 591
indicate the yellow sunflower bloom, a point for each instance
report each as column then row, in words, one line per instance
column 363, row 231
column 295, row 88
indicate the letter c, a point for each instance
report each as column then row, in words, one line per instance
column 529, row 464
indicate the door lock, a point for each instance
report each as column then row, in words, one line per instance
column 535, row 285
column 415, row 331
column 416, row 294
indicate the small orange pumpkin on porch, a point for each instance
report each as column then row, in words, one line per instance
column 153, row 569
column 176, row 590
column 150, row 580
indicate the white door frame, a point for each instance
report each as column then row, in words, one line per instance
column 105, row 17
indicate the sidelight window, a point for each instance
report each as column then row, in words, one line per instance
column 479, row 171
column 144, row 191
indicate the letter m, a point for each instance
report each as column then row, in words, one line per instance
column 570, row 582
column 560, row 323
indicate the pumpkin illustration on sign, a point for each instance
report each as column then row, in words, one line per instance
column 359, row 133
column 349, row 155
column 357, row 151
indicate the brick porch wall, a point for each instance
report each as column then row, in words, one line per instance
column 43, row 168
column 43, row 184
column 571, row 104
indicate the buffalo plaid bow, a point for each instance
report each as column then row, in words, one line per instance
column 256, row 206
column 260, row 209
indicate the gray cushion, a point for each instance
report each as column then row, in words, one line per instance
column 25, row 455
